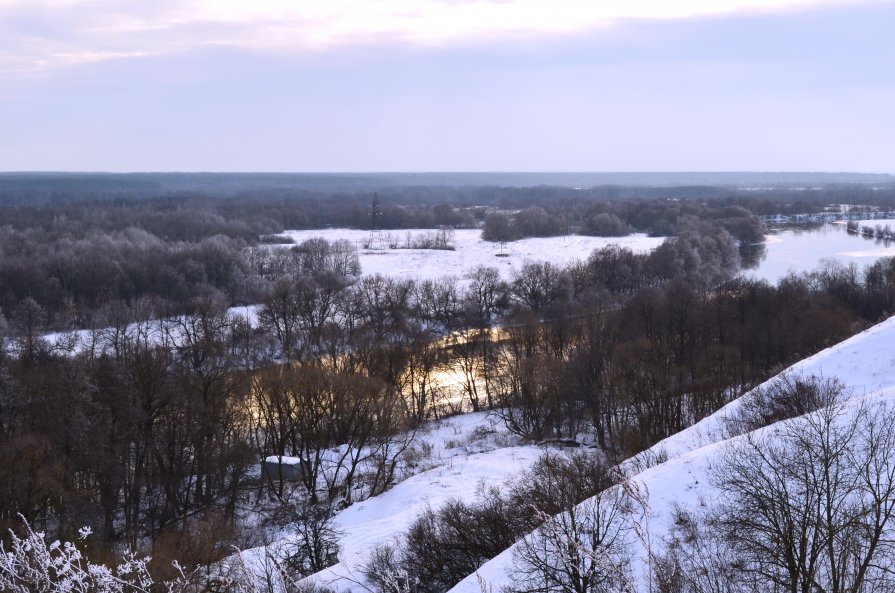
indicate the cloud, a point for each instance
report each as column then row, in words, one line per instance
column 802, row 90
column 40, row 34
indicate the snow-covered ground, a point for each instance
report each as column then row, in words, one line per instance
column 865, row 364
column 154, row 331
column 468, row 453
column 470, row 251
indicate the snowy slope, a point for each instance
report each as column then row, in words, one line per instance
column 468, row 453
column 382, row 519
column 865, row 363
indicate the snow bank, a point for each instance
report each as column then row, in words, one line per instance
column 284, row 460
column 383, row 518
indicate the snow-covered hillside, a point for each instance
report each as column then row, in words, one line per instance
column 865, row 364
column 471, row 452
column 467, row 454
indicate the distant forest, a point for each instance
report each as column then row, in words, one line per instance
column 72, row 243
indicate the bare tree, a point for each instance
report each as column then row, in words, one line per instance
column 499, row 228
column 541, row 285
column 280, row 313
column 808, row 505
column 581, row 550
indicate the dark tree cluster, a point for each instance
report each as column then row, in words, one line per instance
column 131, row 442
column 91, row 282
column 670, row 217
column 153, row 435
column 76, row 281
column 615, row 219
column 635, row 360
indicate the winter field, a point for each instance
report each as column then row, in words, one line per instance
column 469, row 251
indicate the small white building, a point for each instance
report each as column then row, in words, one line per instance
column 276, row 467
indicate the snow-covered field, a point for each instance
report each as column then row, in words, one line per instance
column 865, row 364
column 470, row 251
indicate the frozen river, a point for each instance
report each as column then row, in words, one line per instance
column 803, row 250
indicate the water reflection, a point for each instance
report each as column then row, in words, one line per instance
column 805, row 248
column 752, row 255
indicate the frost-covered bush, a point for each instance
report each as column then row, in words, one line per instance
column 29, row 564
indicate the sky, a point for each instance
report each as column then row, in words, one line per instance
column 447, row 85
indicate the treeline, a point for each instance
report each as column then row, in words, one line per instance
column 769, row 201
column 192, row 216
column 656, row 218
column 75, row 259
column 193, row 207
column 880, row 232
column 76, row 281
column 103, row 279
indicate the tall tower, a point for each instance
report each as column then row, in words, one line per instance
column 376, row 240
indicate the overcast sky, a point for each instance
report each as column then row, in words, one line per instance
column 447, row 85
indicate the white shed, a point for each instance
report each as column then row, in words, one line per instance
column 284, row 468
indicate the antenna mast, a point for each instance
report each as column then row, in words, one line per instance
column 376, row 240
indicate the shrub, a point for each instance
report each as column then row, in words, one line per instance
column 787, row 396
